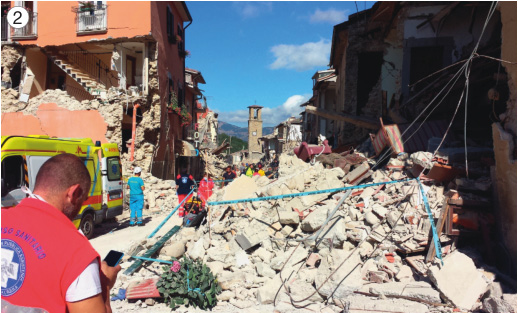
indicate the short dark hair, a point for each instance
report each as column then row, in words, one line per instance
column 61, row 172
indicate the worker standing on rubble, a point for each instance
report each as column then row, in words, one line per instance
column 47, row 264
column 229, row 176
column 250, row 171
column 269, row 174
column 136, row 187
column 184, row 185
column 260, row 170
column 205, row 188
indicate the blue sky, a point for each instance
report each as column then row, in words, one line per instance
column 262, row 53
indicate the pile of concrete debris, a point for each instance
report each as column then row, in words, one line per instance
column 335, row 251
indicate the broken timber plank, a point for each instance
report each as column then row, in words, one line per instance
column 362, row 122
column 152, row 250
column 440, row 223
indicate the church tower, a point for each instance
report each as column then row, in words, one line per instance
column 255, row 130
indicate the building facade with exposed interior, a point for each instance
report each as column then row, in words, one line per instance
column 123, row 59
column 402, row 74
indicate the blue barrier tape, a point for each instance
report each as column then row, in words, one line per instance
column 169, row 216
column 266, row 198
column 152, row 259
column 217, row 181
column 438, row 249
column 189, row 287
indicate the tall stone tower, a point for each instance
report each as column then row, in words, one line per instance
column 255, row 130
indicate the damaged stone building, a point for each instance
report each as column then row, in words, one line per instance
column 112, row 71
column 415, row 76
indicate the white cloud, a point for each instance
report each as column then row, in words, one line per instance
column 303, row 57
column 330, row 16
column 252, row 9
column 270, row 116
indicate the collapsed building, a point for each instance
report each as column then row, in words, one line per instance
column 111, row 71
column 325, row 238
column 439, row 77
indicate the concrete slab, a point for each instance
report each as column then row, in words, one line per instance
column 419, row 289
column 459, row 280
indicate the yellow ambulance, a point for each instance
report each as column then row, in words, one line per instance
column 22, row 157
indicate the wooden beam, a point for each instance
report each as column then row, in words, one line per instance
column 362, row 122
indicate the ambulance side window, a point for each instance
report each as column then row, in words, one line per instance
column 114, row 169
column 12, row 173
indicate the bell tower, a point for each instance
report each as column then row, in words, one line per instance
column 255, row 130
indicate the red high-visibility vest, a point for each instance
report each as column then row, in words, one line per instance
column 42, row 254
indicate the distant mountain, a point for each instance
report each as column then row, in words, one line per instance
column 239, row 132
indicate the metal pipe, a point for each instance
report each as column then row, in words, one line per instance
column 134, row 130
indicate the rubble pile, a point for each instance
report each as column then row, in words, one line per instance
column 357, row 250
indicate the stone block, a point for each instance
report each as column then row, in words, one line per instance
column 459, row 280
column 176, row 249
column 228, row 280
column 345, row 280
column 405, row 274
column 496, row 305
column 371, row 218
column 300, row 289
column 197, row 251
column 354, row 175
column 378, row 277
column 287, row 230
column 289, row 217
column 266, row 293
column 264, row 270
column 314, row 220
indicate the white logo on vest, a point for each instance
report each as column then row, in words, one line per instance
column 13, row 267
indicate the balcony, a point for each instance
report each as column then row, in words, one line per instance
column 29, row 31
column 91, row 19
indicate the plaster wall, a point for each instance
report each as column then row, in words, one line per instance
column 53, row 120
column 57, row 22
column 170, row 63
column 37, row 62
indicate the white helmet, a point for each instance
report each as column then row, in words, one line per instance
column 137, row 170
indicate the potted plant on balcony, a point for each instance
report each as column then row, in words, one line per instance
column 85, row 6
column 185, row 53
column 173, row 105
column 185, row 116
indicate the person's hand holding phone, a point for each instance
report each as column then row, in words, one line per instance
column 109, row 274
column 110, row 267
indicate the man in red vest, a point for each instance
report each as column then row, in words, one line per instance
column 46, row 262
column 205, row 188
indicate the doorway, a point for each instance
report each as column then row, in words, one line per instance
column 131, row 64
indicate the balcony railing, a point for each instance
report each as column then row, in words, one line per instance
column 28, row 31
column 91, row 20
column 92, row 66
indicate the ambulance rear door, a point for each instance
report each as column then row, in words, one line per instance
column 111, row 179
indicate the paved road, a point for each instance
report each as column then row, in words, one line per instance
column 120, row 236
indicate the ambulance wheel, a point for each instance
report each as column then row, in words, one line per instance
column 87, row 225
